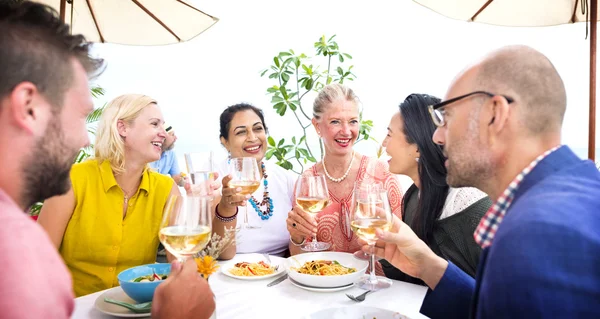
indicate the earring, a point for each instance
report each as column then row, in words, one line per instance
column 417, row 159
column 228, row 157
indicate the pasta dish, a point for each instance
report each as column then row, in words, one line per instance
column 246, row 269
column 324, row 268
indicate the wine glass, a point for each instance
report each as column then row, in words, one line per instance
column 372, row 212
column 186, row 226
column 312, row 196
column 201, row 167
column 245, row 175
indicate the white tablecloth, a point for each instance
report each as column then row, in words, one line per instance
column 253, row 299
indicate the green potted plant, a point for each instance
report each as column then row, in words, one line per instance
column 295, row 75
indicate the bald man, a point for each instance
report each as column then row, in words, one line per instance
column 500, row 127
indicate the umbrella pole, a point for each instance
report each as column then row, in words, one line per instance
column 63, row 7
column 592, row 117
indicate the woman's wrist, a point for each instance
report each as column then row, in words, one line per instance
column 297, row 241
column 226, row 210
column 225, row 218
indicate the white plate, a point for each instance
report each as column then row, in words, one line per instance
column 345, row 259
column 319, row 289
column 117, row 293
column 253, row 259
column 357, row 312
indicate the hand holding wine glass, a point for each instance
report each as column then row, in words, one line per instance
column 186, row 226
column 372, row 212
column 246, row 177
column 202, row 174
column 312, row 196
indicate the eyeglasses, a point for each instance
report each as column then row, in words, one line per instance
column 437, row 111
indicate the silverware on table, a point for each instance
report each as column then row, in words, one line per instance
column 359, row 298
column 278, row 280
column 269, row 260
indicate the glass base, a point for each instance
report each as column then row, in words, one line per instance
column 315, row 246
column 379, row 283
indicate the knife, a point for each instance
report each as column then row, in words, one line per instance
column 278, row 280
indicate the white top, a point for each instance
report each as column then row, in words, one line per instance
column 273, row 236
column 460, row 198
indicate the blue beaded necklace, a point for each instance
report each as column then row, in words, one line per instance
column 264, row 215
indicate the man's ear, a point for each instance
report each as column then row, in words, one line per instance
column 27, row 108
column 498, row 114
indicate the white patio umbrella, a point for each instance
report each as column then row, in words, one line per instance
column 133, row 22
column 530, row 13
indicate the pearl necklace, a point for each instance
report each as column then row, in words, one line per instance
column 337, row 180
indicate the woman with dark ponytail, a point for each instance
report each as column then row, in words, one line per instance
column 445, row 218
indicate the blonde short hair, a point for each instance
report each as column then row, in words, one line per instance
column 330, row 93
column 110, row 145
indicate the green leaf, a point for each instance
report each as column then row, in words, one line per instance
column 294, row 140
column 304, row 152
column 273, row 75
column 302, row 139
column 284, row 54
column 281, row 141
column 348, row 56
column 271, row 141
column 263, row 72
column 340, row 71
column 276, row 60
column 292, row 106
column 97, row 91
column 297, row 154
column 309, row 84
column 287, row 165
column 269, row 153
column 273, row 89
column 285, row 77
column 312, row 159
column 341, row 58
column 284, row 93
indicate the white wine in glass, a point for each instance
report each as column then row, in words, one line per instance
column 372, row 212
column 245, row 175
column 312, row 205
column 312, row 196
column 186, row 227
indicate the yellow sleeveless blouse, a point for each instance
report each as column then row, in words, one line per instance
column 98, row 242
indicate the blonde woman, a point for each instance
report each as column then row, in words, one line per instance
column 336, row 118
column 110, row 218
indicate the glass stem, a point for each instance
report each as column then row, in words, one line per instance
column 246, row 224
column 372, row 277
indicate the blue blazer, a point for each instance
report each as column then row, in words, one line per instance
column 545, row 259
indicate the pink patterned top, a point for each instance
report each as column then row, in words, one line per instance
column 334, row 220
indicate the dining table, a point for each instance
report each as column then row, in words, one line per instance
column 248, row 299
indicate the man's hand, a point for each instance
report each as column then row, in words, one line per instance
column 184, row 294
column 403, row 249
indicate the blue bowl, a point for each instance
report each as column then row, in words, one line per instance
column 142, row 291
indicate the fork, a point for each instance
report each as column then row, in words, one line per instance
column 269, row 260
column 359, row 298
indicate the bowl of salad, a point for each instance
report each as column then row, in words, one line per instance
column 140, row 282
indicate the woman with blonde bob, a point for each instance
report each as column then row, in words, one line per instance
column 109, row 219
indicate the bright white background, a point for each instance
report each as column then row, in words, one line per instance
column 398, row 47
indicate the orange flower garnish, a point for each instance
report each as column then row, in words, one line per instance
column 206, row 265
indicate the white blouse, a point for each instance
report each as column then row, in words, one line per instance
column 460, row 198
column 273, row 236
